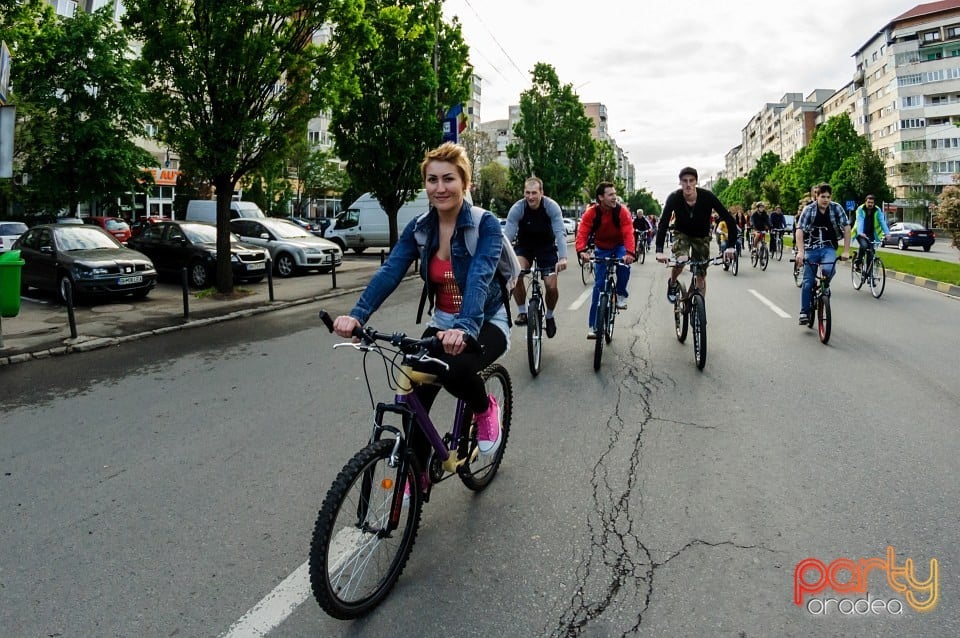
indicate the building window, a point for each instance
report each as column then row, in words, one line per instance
column 953, row 32
column 931, row 36
column 913, row 123
column 909, row 80
column 910, row 57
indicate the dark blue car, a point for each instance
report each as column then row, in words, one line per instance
column 903, row 235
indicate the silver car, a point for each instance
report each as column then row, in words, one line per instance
column 291, row 247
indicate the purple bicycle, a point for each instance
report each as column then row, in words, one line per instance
column 369, row 518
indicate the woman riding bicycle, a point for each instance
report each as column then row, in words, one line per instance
column 466, row 299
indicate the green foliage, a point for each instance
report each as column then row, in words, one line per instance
column 761, row 171
column 552, row 140
column 720, row 185
column 79, row 102
column 643, row 200
column 383, row 129
column 270, row 188
column 948, row 212
column 233, row 83
column 493, row 190
column 318, row 174
column 858, row 175
column 739, row 193
column 603, row 168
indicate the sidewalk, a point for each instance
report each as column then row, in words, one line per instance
column 42, row 329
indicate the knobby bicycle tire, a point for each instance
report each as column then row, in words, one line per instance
column 698, row 321
column 477, row 473
column 824, row 318
column 779, row 249
column 735, row 264
column 611, row 319
column 764, row 257
column 680, row 318
column 534, row 335
column 600, row 327
column 797, row 274
column 354, row 560
column 642, row 254
column 878, row 278
column 754, row 257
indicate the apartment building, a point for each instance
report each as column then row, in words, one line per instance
column 907, row 97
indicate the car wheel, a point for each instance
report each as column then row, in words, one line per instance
column 65, row 288
column 902, row 245
column 926, row 249
column 359, row 249
column 198, row 275
column 285, row 265
column 141, row 294
column 339, row 242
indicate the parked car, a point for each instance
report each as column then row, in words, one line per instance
column 291, row 247
column 789, row 221
column 84, row 260
column 315, row 226
column 175, row 244
column 903, row 235
column 69, row 220
column 9, row 231
column 137, row 227
column 569, row 225
column 113, row 225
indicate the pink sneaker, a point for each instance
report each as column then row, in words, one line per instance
column 489, row 433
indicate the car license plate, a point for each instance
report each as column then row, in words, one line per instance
column 256, row 266
column 125, row 281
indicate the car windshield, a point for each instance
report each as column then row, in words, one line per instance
column 912, row 226
column 80, row 238
column 289, row 231
column 116, row 224
column 12, row 228
column 200, row 234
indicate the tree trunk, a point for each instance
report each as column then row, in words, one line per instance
column 224, row 186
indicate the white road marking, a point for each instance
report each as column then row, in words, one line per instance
column 275, row 607
column 769, row 304
column 582, row 299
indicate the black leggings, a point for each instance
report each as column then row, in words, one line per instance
column 462, row 380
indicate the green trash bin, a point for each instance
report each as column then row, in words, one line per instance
column 10, row 265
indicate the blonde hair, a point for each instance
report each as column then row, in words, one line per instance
column 453, row 154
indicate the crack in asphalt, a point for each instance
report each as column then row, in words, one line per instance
column 616, row 569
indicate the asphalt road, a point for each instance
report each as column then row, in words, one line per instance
column 166, row 487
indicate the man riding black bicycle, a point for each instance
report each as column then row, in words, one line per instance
column 760, row 222
column 871, row 226
column 692, row 209
column 536, row 224
column 778, row 224
column 819, row 230
column 640, row 229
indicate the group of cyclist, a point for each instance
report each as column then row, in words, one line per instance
column 468, row 306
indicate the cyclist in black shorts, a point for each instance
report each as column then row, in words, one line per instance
column 535, row 224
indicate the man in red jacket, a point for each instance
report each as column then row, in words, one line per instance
column 606, row 227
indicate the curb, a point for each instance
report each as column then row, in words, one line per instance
column 86, row 344
column 929, row 284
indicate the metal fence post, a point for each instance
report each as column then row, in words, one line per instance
column 71, row 316
column 186, row 292
column 270, row 276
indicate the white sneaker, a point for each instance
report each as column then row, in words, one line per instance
column 591, row 334
column 621, row 304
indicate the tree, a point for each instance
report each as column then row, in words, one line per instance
column 643, row 199
column 233, row 83
column 552, row 140
column 948, row 211
column 318, row 174
column 480, row 148
column 859, row 175
column 76, row 118
column 720, row 185
column 762, row 170
column 383, row 130
column 603, row 168
column 739, row 193
column 270, row 188
column 493, row 191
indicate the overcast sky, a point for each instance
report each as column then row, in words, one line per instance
column 682, row 78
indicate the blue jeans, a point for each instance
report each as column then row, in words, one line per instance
column 826, row 256
column 600, row 278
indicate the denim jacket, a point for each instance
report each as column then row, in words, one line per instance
column 474, row 274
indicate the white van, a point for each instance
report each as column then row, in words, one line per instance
column 205, row 210
column 364, row 224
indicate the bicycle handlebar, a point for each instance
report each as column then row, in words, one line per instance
column 407, row 345
column 711, row 261
column 544, row 272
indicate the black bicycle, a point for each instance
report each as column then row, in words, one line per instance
column 607, row 309
column 820, row 303
column 870, row 270
column 640, row 242
column 536, row 312
column 690, row 309
column 776, row 249
column 369, row 519
column 733, row 265
column 586, row 270
column 760, row 254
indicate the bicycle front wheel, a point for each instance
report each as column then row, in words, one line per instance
column 754, row 257
column 878, row 278
column 823, row 318
column 779, row 249
column 698, row 321
column 534, row 336
column 479, row 470
column 642, row 254
column 586, row 272
column 857, row 276
column 764, row 257
column 679, row 315
column 364, row 533
column 611, row 320
column 797, row 274
column 600, row 326
column 735, row 264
